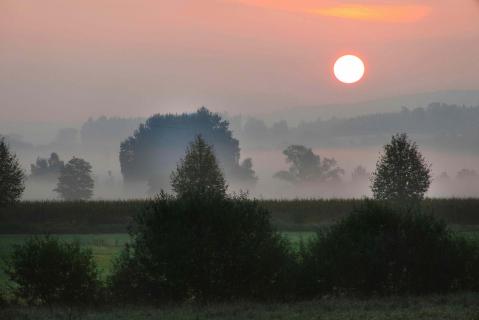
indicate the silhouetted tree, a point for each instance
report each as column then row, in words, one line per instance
column 47, row 169
column 11, row 176
column 198, row 174
column 156, row 146
column 467, row 174
column 359, row 174
column 443, row 177
column 245, row 174
column 75, row 181
column 307, row 166
column 401, row 173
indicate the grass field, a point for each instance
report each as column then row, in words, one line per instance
column 445, row 307
column 105, row 247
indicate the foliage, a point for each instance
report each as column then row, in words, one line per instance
column 205, row 248
column 11, row 176
column 47, row 168
column 48, row 271
column 376, row 250
column 402, row 174
column 307, row 166
column 75, row 181
column 156, row 146
column 198, row 174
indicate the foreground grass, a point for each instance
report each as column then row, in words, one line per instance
column 457, row 306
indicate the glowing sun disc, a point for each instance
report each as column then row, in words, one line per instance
column 349, row 69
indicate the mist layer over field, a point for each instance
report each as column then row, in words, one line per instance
column 448, row 143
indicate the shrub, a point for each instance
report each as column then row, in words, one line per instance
column 48, row 271
column 376, row 250
column 209, row 248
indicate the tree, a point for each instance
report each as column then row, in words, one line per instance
column 359, row 174
column 47, row 169
column 401, row 173
column 156, row 146
column 198, row 174
column 11, row 176
column 49, row 271
column 75, row 181
column 467, row 174
column 307, row 166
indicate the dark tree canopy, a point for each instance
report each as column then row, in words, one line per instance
column 156, row 146
column 198, row 174
column 11, row 176
column 75, row 181
column 47, row 168
column 401, row 173
column 307, row 166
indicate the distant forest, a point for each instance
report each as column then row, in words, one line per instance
column 438, row 125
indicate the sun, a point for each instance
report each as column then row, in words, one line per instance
column 349, row 69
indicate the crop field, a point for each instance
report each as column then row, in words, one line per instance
column 94, row 217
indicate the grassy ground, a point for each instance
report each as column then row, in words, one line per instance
column 456, row 306
column 105, row 247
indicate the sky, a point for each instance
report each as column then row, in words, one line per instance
column 69, row 60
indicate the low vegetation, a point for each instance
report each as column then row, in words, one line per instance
column 47, row 271
column 96, row 217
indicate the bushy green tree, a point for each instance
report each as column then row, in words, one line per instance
column 11, row 176
column 402, row 173
column 198, row 173
column 47, row 271
column 204, row 249
column 202, row 244
column 380, row 250
column 75, row 181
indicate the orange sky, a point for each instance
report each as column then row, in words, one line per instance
column 67, row 60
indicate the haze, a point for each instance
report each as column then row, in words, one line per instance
column 68, row 60
column 62, row 62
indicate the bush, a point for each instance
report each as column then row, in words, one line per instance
column 47, row 271
column 376, row 250
column 209, row 248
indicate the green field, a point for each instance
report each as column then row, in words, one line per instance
column 105, row 247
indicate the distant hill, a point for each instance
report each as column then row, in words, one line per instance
column 384, row 105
